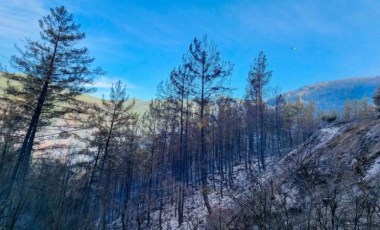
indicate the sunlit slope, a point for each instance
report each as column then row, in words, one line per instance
column 141, row 106
column 333, row 94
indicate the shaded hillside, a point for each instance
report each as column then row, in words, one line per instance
column 333, row 94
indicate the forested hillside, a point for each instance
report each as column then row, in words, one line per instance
column 331, row 181
column 196, row 158
column 335, row 94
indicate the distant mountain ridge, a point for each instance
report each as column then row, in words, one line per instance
column 327, row 95
column 333, row 94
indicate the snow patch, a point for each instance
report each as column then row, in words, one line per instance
column 374, row 170
column 326, row 135
column 373, row 133
column 195, row 212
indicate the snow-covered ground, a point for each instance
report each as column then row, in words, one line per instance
column 326, row 142
column 325, row 135
column 374, row 170
column 342, row 155
column 195, row 212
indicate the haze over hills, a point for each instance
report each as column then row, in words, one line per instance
column 333, row 94
column 140, row 105
column 327, row 95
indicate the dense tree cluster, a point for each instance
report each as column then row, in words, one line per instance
column 109, row 165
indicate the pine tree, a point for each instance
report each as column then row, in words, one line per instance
column 376, row 97
column 364, row 110
column 209, row 73
column 182, row 86
column 53, row 73
column 347, row 110
column 10, row 124
column 113, row 121
column 280, row 104
column 258, row 80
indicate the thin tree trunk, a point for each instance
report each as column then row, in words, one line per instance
column 24, row 153
column 203, row 157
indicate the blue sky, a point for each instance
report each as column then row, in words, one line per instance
column 139, row 42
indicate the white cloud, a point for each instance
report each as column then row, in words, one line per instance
column 106, row 83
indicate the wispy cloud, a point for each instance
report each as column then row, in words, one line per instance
column 103, row 85
column 107, row 82
column 18, row 20
column 282, row 18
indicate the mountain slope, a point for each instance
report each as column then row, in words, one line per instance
column 333, row 94
column 329, row 182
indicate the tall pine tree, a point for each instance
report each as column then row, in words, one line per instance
column 258, row 79
column 209, row 72
column 54, row 72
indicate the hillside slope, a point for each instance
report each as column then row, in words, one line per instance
column 329, row 182
column 332, row 181
column 333, row 94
